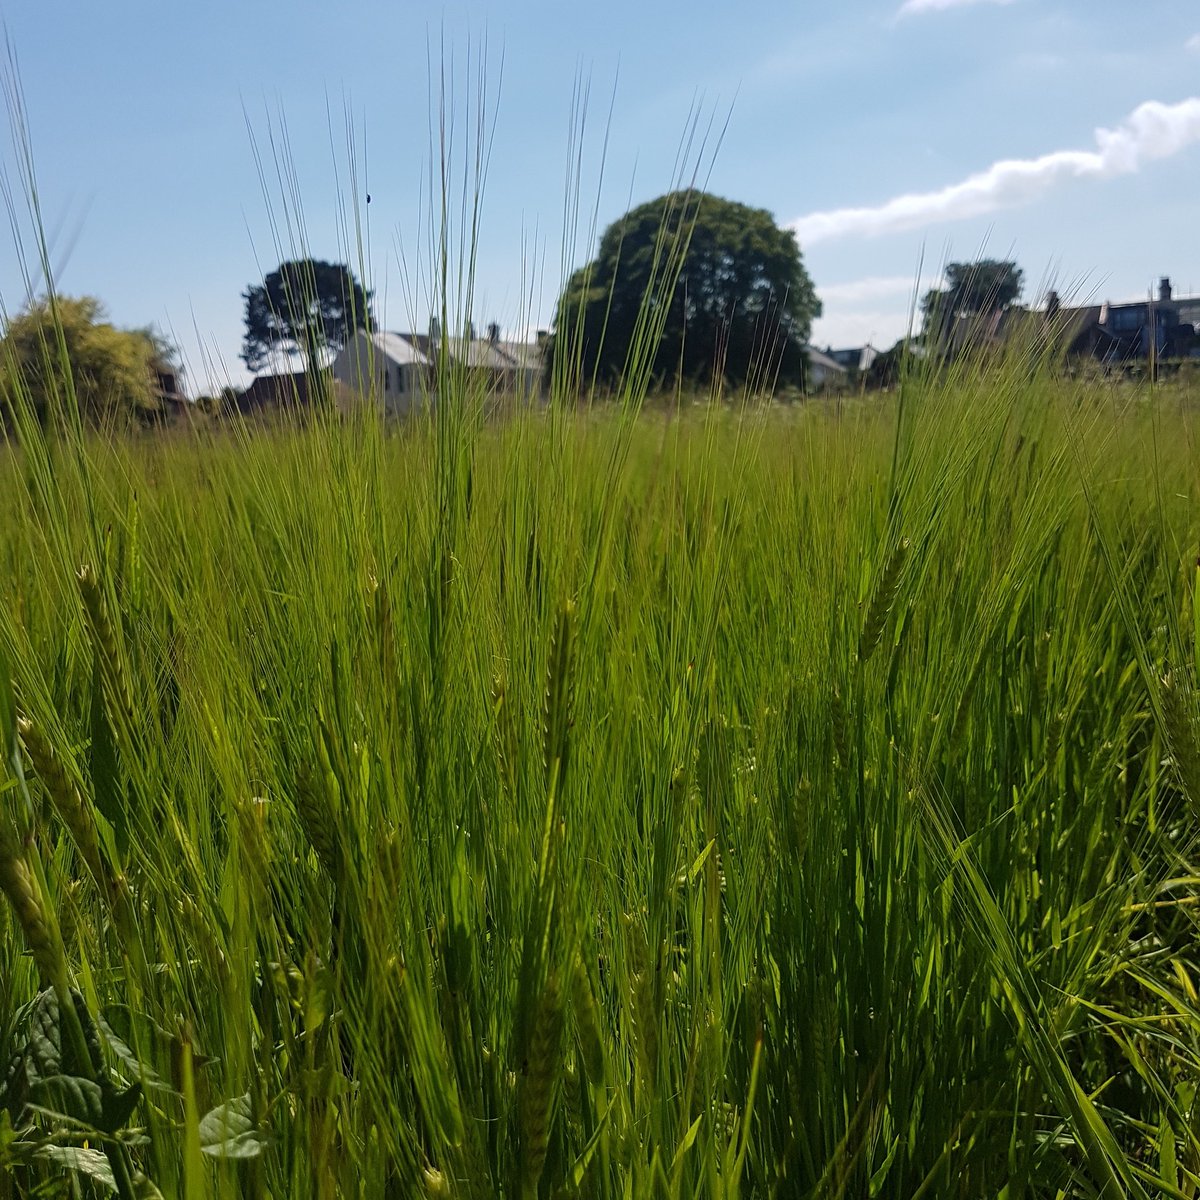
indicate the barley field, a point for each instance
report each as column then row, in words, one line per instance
column 728, row 800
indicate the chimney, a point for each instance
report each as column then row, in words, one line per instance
column 542, row 335
column 470, row 331
column 434, row 329
column 493, row 332
column 1164, row 290
column 1053, row 304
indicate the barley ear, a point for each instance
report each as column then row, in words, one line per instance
column 505, row 736
column 536, row 1101
column 841, row 728
column 587, row 1023
column 642, row 1007
column 1181, row 735
column 559, row 709
column 316, row 820
column 74, row 813
column 882, row 600
column 77, row 815
column 107, row 649
column 20, row 888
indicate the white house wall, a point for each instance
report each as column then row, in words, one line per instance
column 365, row 369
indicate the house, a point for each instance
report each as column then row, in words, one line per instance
column 169, row 402
column 528, row 362
column 855, row 361
column 823, row 370
column 971, row 333
column 389, row 366
column 268, row 393
column 401, row 368
column 168, row 390
column 1121, row 334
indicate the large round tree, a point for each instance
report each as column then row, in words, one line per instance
column 305, row 307
column 690, row 286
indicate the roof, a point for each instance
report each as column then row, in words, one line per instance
column 399, row 348
column 527, row 356
column 1187, row 309
column 818, row 359
column 476, row 353
column 855, row 358
column 1073, row 321
column 277, row 391
column 423, row 350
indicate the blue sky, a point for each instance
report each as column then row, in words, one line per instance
column 1063, row 133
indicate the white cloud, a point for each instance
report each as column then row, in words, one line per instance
column 874, row 287
column 912, row 7
column 1152, row 131
column 1193, row 43
column 881, row 329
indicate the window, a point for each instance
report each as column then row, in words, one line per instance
column 400, row 380
column 1126, row 320
column 387, row 380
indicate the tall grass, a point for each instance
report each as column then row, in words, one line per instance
column 745, row 801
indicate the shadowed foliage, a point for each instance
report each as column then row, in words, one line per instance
column 742, row 308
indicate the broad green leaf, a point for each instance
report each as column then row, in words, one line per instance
column 71, row 1097
column 228, row 1131
column 90, row 1163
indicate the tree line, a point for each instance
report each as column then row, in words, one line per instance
column 688, row 288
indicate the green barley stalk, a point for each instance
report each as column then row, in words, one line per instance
column 962, row 714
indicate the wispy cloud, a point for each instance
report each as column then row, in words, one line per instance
column 1039, row 60
column 1193, row 43
column 1152, row 131
column 913, row 7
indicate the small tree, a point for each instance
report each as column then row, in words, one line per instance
column 305, row 308
column 722, row 286
column 110, row 370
